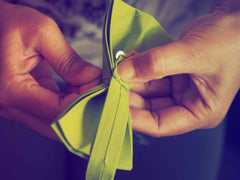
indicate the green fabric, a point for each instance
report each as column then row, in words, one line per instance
column 97, row 125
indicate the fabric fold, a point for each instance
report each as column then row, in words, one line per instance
column 97, row 125
column 107, row 147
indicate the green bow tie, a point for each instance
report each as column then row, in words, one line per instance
column 97, row 125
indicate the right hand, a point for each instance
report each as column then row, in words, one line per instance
column 30, row 43
column 188, row 84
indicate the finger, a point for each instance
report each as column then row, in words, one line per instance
column 150, row 104
column 30, row 97
column 178, row 57
column 155, row 88
column 90, row 85
column 170, row 121
column 65, row 61
column 83, row 88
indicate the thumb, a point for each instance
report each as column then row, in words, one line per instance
column 64, row 60
column 171, row 59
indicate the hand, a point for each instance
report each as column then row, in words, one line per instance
column 30, row 43
column 188, row 84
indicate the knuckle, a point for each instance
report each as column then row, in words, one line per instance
column 46, row 26
column 152, row 64
column 202, row 118
column 8, row 88
column 208, row 119
column 215, row 120
column 192, row 48
column 228, row 20
column 66, row 63
column 158, row 130
column 201, row 122
column 47, row 22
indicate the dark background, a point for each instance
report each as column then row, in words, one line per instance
column 230, row 167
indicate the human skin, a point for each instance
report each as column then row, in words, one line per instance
column 31, row 43
column 190, row 83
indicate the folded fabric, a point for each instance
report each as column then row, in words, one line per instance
column 97, row 125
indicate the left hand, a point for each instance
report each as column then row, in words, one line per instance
column 30, row 45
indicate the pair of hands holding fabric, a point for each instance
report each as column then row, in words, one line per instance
column 186, row 85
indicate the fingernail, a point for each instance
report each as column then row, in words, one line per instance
column 126, row 70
